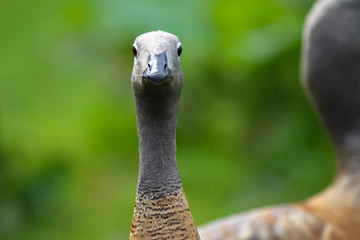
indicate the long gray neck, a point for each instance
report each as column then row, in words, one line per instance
column 156, row 120
column 332, row 74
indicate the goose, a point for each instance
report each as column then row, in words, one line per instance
column 161, row 208
column 331, row 76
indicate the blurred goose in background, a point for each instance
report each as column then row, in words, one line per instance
column 161, row 209
column 331, row 75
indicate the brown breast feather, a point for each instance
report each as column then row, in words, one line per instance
column 163, row 218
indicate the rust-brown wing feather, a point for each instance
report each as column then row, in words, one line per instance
column 290, row 222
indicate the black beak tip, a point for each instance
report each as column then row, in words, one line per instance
column 156, row 79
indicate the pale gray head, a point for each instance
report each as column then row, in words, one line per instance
column 157, row 61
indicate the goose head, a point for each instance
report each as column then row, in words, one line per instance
column 331, row 75
column 157, row 62
column 331, row 71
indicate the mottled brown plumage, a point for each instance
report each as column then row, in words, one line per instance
column 166, row 217
column 332, row 215
column 331, row 75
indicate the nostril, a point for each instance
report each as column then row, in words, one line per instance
column 165, row 66
column 149, row 66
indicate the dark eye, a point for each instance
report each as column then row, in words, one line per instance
column 134, row 51
column 179, row 50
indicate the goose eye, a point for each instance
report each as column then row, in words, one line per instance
column 134, row 51
column 179, row 50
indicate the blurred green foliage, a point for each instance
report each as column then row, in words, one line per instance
column 247, row 136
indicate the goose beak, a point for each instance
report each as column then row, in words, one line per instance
column 157, row 70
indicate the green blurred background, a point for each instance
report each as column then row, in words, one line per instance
column 246, row 136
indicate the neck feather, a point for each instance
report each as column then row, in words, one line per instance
column 156, row 119
column 349, row 155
